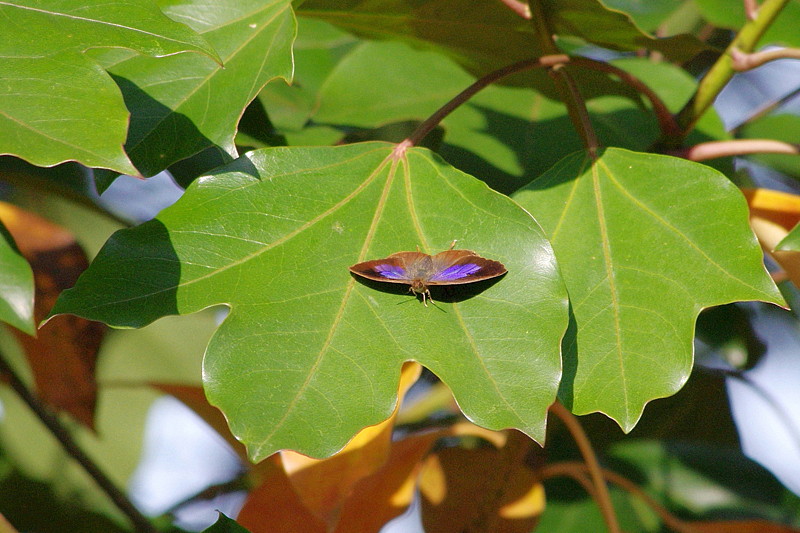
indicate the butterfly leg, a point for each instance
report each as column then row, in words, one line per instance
column 426, row 292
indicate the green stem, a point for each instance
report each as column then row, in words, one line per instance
column 139, row 521
column 723, row 70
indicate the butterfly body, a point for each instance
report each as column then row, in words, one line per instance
column 420, row 270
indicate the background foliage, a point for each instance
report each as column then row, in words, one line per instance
column 575, row 161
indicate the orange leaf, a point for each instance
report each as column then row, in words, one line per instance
column 324, row 485
column 470, row 489
column 387, row 493
column 274, row 507
column 772, row 215
column 779, row 207
column 64, row 354
column 769, row 235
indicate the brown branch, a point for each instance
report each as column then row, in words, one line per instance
column 576, row 470
column 576, row 108
column 520, row 8
column 735, row 147
column 565, row 84
column 592, row 465
column 572, row 469
column 140, row 522
column 528, row 64
column 743, row 61
column 666, row 120
column 667, row 123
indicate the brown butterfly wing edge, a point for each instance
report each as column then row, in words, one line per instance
column 401, row 259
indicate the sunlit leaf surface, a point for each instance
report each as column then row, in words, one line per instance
column 641, row 255
column 309, row 355
column 58, row 105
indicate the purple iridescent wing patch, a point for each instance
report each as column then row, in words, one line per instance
column 391, row 271
column 455, row 272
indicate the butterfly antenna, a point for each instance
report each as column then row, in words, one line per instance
column 453, row 244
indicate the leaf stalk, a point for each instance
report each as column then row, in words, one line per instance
column 528, row 64
column 600, row 490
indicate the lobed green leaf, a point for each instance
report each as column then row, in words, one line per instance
column 641, row 256
column 308, row 354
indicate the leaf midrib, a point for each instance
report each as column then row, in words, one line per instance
column 345, row 298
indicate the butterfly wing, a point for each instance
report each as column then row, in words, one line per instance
column 453, row 267
column 397, row 268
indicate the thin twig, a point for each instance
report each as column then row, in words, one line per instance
column 572, row 469
column 592, row 465
column 239, row 483
column 565, row 84
column 735, row 147
column 140, row 522
column 577, row 470
column 743, row 61
column 576, row 107
column 520, row 8
column 528, row 64
column 666, row 121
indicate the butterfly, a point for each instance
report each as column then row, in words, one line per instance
column 451, row 267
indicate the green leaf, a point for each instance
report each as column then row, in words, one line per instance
column 790, row 243
column 451, row 27
column 33, row 505
column 183, row 104
column 16, row 285
column 308, row 355
column 317, row 50
column 225, row 525
column 354, row 92
column 40, row 30
column 183, row 338
column 59, row 108
column 648, row 15
column 644, row 243
column 70, row 180
column 169, row 351
column 57, row 104
column 597, row 24
column 731, row 15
